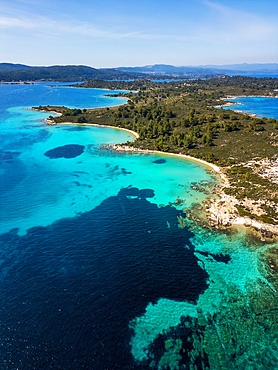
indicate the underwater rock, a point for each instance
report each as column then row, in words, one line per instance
column 171, row 358
column 65, row 151
column 160, row 161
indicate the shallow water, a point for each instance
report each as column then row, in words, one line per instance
column 100, row 271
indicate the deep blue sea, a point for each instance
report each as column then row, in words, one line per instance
column 97, row 264
column 261, row 106
column 256, row 75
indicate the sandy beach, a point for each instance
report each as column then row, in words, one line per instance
column 51, row 123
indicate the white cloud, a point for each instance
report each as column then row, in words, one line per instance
column 49, row 26
column 46, row 25
column 11, row 22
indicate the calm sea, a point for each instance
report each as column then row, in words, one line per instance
column 98, row 271
column 261, row 106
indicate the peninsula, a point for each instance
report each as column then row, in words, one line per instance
column 186, row 118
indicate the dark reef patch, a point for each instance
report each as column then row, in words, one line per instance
column 135, row 192
column 125, row 172
column 159, row 161
column 65, row 151
column 180, row 346
column 225, row 258
column 76, row 128
column 7, row 156
column 86, row 278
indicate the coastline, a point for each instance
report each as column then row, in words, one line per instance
column 229, row 103
column 51, row 123
column 220, row 208
column 126, row 148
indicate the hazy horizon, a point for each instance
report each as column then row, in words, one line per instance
column 151, row 65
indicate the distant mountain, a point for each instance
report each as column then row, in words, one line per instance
column 245, row 67
column 187, row 71
column 165, row 69
column 17, row 72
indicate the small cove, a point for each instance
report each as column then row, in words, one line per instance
column 258, row 105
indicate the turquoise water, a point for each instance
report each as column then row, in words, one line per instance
column 85, row 181
column 100, row 271
column 261, row 106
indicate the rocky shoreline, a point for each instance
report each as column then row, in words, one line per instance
column 222, row 212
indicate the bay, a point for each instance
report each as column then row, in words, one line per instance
column 100, row 269
column 258, row 105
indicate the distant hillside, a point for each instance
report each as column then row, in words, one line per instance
column 12, row 67
column 17, row 72
column 245, row 67
column 164, row 69
column 20, row 72
column 187, row 71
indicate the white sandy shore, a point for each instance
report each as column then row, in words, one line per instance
column 125, row 148
column 133, row 133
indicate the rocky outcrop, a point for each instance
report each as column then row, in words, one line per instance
column 222, row 212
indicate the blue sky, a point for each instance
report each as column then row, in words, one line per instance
column 112, row 33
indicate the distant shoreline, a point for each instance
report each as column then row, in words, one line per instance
column 234, row 97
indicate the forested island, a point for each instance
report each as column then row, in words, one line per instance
column 186, row 117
